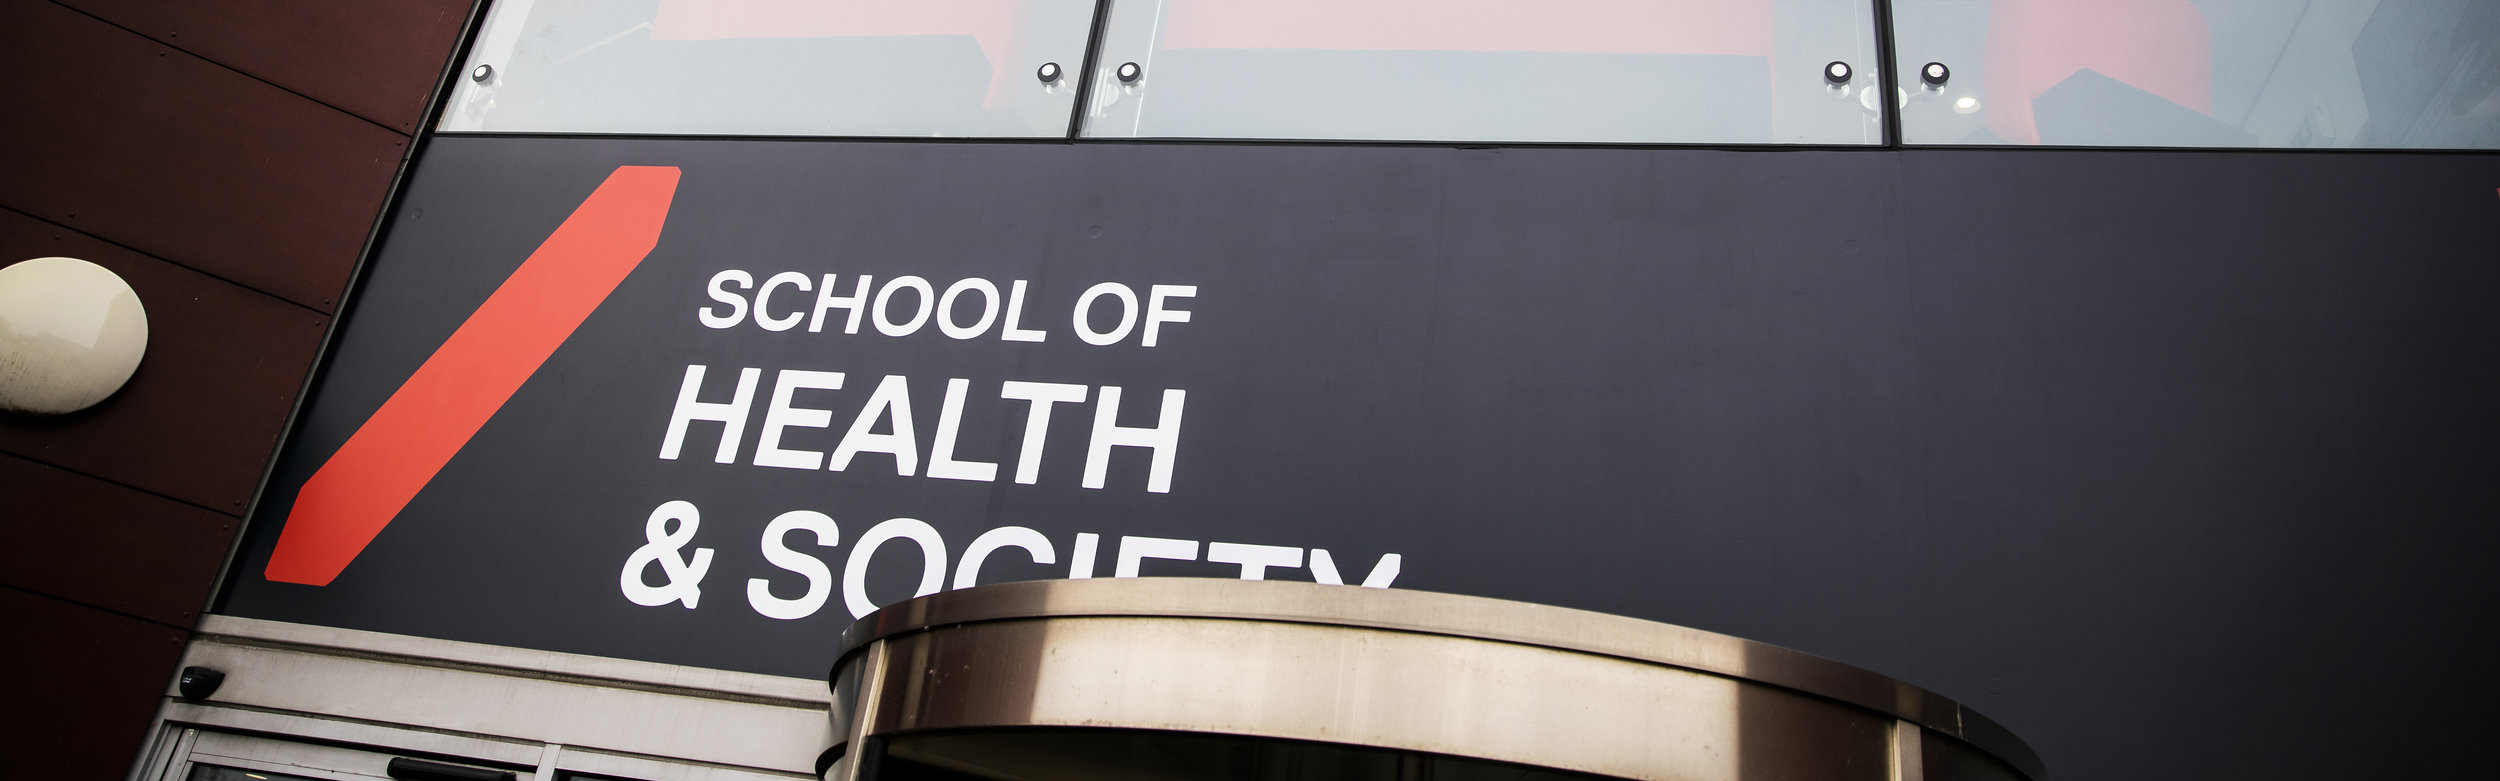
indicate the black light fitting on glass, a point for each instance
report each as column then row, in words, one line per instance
column 1837, row 73
column 1129, row 73
column 1934, row 74
column 1048, row 73
column 482, row 73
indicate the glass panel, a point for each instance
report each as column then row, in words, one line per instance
column 215, row 773
column 2419, row 74
column 1605, row 71
column 775, row 67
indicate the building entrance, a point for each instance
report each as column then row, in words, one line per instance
column 1227, row 680
column 197, row 755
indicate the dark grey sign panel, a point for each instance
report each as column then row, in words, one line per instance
column 2070, row 436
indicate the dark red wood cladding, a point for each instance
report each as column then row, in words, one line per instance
column 377, row 59
column 176, row 156
column 226, row 158
column 86, row 684
column 96, row 543
column 201, row 416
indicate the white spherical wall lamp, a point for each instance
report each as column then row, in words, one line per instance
column 71, row 332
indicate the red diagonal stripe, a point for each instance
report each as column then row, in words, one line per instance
column 389, row 459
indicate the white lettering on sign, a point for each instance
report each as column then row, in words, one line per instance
column 1081, row 563
column 942, row 461
column 1255, row 559
column 1159, row 309
column 737, row 303
column 1013, row 331
column 1085, row 313
column 796, row 432
column 1163, row 440
column 671, row 529
column 826, row 301
column 665, row 536
column 890, row 403
column 924, row 298
column 777, row 550
column 763, row 296
column 855, row 571
column 979, row 551
column 885, row 424
column 946, row 309
column 1037, row 420
column 780, row 415
column 969, row 308
column 732, row 415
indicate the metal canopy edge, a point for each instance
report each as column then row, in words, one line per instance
column 1171, row 602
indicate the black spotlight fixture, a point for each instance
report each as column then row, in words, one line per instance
column 1837, row 73
column 1129, row 73
column 197, row 683
column 1048, row 73
column 1934, row 74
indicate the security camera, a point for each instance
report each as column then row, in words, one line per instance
column 199, row 682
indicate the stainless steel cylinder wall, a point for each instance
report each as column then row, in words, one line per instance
column 1406, row 670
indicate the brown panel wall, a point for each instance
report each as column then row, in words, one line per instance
column 100, row 544
column 227, row 159
column 372, row 58
column 183, row 158
column 87, row 687
column 202, row 415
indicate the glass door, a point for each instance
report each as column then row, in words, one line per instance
column 198, row 755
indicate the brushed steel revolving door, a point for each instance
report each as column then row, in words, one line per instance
column 1257, row 680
